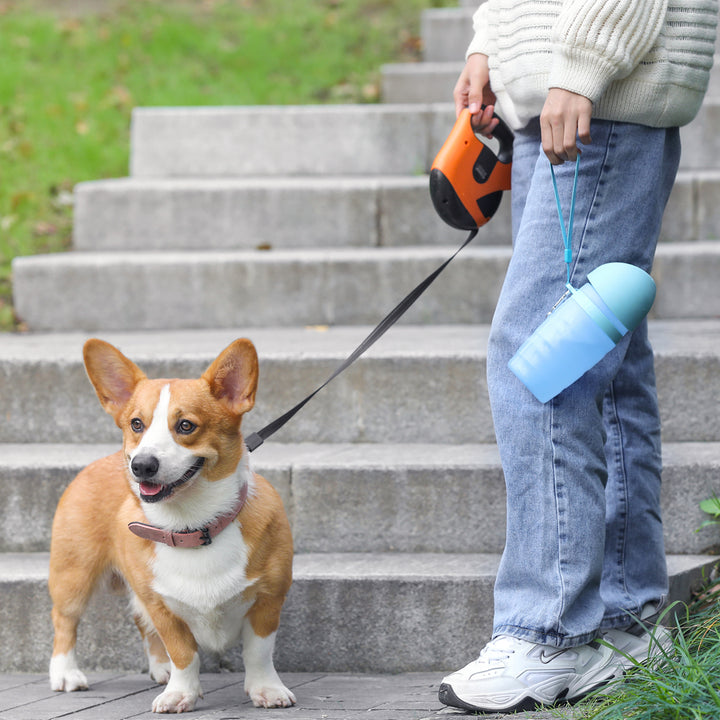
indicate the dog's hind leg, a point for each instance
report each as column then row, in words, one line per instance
column 74, row 574
column 64, row 671
column 68, row 605
column 80, row 557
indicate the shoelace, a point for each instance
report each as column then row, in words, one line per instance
column 497, row 650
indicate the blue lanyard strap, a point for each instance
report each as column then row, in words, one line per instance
column 566, row 232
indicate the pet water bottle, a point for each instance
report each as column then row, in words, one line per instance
column 583, row 328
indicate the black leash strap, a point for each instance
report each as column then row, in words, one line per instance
column 255, row 440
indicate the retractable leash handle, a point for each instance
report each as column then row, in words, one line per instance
column 465, row 170
column 467, row 178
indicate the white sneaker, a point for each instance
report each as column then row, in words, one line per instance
column 632, row 649
column 512, row 675
column 633, row 646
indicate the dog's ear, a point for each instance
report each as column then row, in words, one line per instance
column 113, row 376
column 233, row 376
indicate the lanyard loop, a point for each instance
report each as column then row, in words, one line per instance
column 566, row 231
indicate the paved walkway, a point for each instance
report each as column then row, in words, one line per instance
column 114, row 696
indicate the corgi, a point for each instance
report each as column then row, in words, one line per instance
column 202, row 544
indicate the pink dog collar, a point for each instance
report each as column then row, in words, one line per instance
column 190, row 538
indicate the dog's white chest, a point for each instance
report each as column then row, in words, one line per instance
column 204, row 585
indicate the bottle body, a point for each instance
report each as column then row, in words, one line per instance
column 583, row 328
column 562, row 349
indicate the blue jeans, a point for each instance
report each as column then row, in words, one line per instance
column 584, row 532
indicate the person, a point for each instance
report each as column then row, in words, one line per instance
column 610, row 82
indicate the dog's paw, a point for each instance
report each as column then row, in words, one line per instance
column 172, row 701
column 69, row 682
column 65, row 674
column 160, row 672
column 271, row 696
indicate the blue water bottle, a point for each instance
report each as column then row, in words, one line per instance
column 583, row 328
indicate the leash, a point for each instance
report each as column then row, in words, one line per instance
column 466, row 182
column 255, row 440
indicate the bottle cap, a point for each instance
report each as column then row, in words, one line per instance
column 628, row 291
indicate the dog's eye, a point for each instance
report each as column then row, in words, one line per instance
column 137, row 425
column 185, row 427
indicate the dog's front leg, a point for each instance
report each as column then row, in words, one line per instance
column 183, row 687
column 262, row 683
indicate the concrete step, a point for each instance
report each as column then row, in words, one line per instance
column 291, row 213
column 266, row 212
column 345, row 286
column 693, row 210
column 195, row 289
column 336, row 140
column 383, row 398
column 420, row 82
column 364, row 498
column 419, row 611
column 47, row 396
column 446, row 33
column 287, row 140
column 433, row 82
column 700, row 139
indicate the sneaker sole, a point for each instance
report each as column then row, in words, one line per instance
column 447, row 696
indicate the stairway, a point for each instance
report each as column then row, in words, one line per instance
column 300, row 227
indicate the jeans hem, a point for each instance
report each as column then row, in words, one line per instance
column 619, row 622
column 545, row 637
column 627, row 618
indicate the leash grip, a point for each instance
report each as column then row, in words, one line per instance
column 467, row 178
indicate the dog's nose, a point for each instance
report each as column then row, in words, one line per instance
column 145, row 467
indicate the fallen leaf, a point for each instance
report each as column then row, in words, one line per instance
column 43, row 229
column 317, row 328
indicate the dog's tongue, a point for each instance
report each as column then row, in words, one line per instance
column 150, row 488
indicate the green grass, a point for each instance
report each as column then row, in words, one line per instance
column 68, row 85
column 682, row 684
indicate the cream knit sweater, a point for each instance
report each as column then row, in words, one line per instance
column 641, row 61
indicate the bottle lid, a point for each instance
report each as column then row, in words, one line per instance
column 628, row 291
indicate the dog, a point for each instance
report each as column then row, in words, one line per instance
column 202, row 544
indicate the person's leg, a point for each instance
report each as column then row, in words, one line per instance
column 589, row 457
column 634, row 570
column 553, row 454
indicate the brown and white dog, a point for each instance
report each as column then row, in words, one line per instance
column 202, row 543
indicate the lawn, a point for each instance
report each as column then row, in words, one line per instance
column 680, row 684
column 68, row 84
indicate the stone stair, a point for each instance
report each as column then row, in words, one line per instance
column 300, row 227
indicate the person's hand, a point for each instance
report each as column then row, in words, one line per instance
column 565, row 117
column 472, row 91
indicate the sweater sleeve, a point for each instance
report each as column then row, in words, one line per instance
column 479, row 43
column 598, row 41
